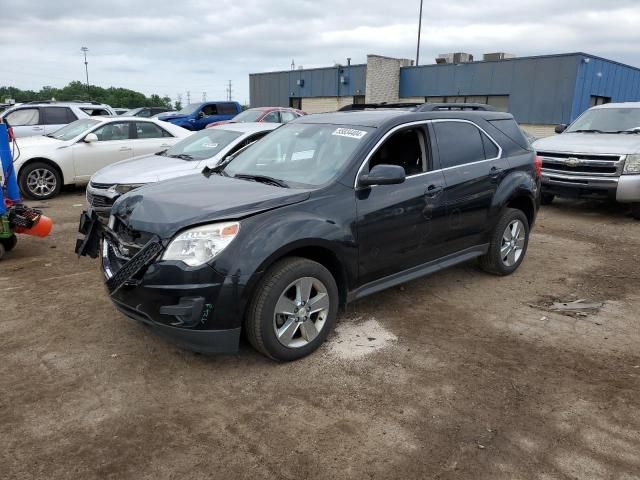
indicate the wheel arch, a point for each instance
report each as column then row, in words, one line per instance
column 41, row 160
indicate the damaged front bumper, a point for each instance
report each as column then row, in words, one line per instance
column 177, row 302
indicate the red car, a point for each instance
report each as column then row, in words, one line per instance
column 264, row 114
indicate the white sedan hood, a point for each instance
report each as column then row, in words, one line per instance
column 147, row 169
column 39, row 141
column 611, row 143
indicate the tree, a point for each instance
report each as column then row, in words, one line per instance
column 177, row 105
column 114, row 96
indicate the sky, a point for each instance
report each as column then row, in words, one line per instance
column 174, row 47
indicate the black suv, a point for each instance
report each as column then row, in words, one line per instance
column 323, row 211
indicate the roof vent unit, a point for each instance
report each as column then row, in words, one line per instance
column 492, row 57
column 300, row 82
column 457, row 57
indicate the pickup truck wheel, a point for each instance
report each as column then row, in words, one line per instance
column 547, row 198
column 508, row 243
column 293, row 309
column 635, row 210
column 40, row 181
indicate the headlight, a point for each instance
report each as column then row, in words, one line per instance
column 197, row 246
column 632, row 164
column 122, row 189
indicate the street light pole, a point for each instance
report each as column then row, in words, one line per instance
column 419, row 32
column 86, row 65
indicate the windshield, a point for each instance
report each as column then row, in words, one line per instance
column 300, row 154
column 248, row 116
column 202, row 145
column 189, row 109
column 69, row 132
column 608, row 120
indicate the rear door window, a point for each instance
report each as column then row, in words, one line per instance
column 58, row 115
column 150, row 130
column 272, row 117
column 94, row 112
column 227, row 109
column 459, row 143
column 287, row 116
column 24, row 116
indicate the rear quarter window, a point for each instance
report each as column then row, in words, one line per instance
column 511, row 129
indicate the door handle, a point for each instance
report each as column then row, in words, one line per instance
column 36, row 128
column 165, row 145
column 125, row 149
column 433, row 191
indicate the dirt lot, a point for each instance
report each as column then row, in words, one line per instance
column 461, row 375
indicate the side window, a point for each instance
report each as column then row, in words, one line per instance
column 149, row 130
column 247, row 141
column 272, row 117
column 490, row 149
column 210, row 110
column 58, row 115
column 94, row 112
column 24, row 116
column 145, row 113
column 287, row 116
column 113, row 131
column 227, row 109
column 406, row 148
column 459, row 143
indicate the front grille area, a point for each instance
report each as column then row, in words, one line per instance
column 581, row 164
column 102, row 186
column 99, row 201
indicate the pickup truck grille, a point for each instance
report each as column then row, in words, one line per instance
column 581, row 164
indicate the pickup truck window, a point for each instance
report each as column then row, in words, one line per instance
column 607, row 120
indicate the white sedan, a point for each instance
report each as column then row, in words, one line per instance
column 75, row 152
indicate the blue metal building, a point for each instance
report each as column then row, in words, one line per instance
column 539, row 91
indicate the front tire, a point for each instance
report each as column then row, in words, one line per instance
column 508, row 244
column 292, row 310
column 9, row 243
column 547, row 198
column 635, row 210
column 40, row 181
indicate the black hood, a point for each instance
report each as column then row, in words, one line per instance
column 164, row 208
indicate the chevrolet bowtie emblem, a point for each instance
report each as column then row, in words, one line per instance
column 573, row 162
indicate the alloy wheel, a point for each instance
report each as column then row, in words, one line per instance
column 301, row 312
column 513, row 241
column 41, row 182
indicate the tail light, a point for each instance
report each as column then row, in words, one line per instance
column 537, row 164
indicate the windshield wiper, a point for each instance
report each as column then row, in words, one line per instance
column 183, row 156
column 262, row 179
column 589, row 130
column 629, row 132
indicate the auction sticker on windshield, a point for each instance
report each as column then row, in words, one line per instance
column 349, row 132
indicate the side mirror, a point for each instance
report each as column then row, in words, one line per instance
column 561, row 128
column 90, row 138
column 383, row 175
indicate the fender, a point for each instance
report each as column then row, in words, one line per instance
column 54, row 164
column 266, row 239
column 515, row 185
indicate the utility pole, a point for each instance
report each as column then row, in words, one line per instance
column 419, row 32
column 86, row 64
column 229, row 91
column 204, row 96
column 188, row 97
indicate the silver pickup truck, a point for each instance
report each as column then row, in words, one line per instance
column 598, row 155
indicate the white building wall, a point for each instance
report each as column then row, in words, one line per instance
column 324, row 104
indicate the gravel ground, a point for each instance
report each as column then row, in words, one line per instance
column 461, row 375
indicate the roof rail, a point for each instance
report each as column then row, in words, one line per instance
column 367, row 106
column 439, row 107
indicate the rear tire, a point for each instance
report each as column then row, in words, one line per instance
column 635, row 210
column 2, row 250
column 547, row 198
column 40, row 181
column 508, row 244
column 292, row 310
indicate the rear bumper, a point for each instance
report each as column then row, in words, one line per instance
column 201, row 341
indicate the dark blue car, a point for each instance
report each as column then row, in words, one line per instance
column 197, row 116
